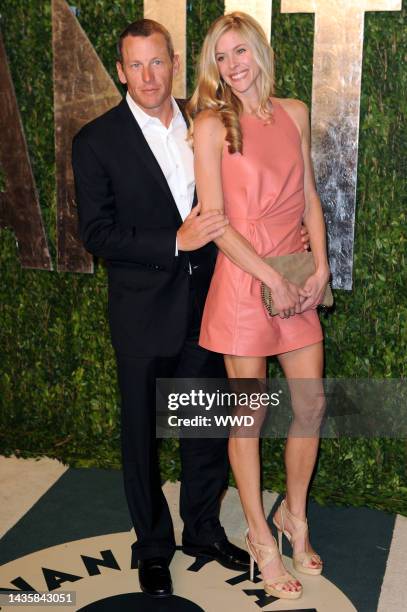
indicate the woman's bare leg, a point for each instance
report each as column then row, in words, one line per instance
column 303, row 439
column 245, row 462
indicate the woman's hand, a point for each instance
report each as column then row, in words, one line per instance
column 287, row 298
column 315, row 288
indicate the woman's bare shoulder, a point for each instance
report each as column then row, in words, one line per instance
column 295, row 106
column 209, row 123
column 208, row 117
column 297, row 109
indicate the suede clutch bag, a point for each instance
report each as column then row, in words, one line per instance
column 296, row 268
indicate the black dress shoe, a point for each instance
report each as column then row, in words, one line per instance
column 226, row 553
column 154, row 577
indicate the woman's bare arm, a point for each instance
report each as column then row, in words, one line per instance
column 313, row 215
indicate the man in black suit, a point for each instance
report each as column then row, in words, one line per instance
column 135, row 193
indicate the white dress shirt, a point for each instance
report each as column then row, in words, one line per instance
column 172, row 152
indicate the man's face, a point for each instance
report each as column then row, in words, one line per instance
column 148, row 71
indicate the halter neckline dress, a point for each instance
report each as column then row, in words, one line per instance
column 263, row 191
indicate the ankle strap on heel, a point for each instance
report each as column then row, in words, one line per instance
column 301, row 527
column 271, row 551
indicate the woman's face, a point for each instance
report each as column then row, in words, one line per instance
column 236, row 63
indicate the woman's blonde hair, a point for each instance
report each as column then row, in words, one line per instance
column 214, row 94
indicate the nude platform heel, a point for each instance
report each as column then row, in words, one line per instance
column 302, row 560
column 270, row 552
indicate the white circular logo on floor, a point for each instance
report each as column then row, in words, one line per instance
column 99, row 571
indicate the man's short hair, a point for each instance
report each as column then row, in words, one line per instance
column 145, row 27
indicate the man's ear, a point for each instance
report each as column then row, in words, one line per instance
column 176, row 64
column 120, row 73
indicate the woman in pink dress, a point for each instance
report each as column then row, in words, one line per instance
column 252, row 160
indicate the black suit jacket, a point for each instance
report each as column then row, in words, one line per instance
column 128, row 216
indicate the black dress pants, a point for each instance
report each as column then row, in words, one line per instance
column 204, row 462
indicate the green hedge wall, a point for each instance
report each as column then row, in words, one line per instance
column 58, row 381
